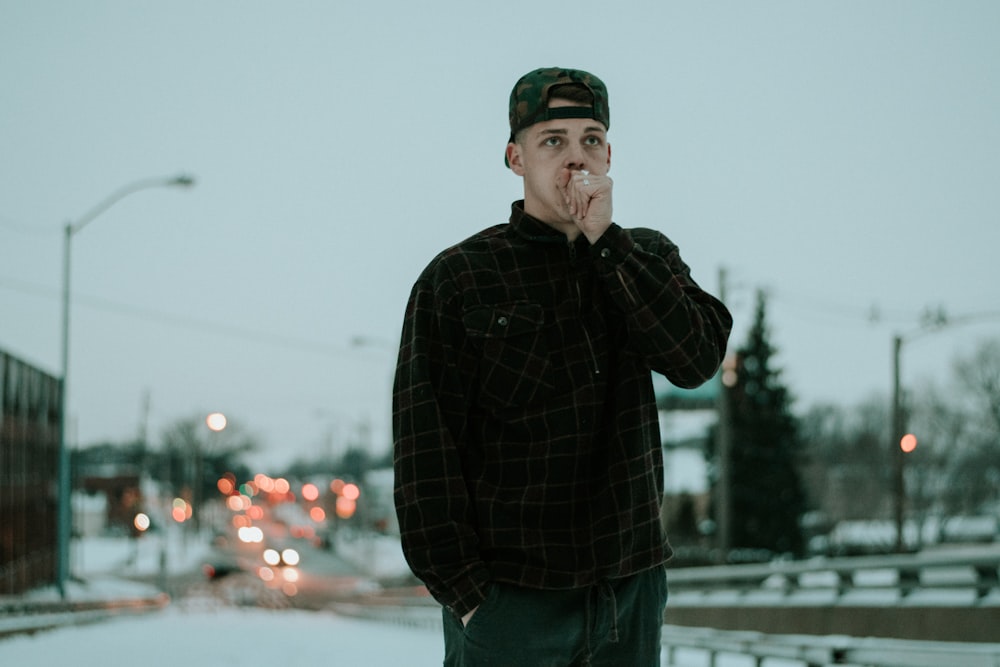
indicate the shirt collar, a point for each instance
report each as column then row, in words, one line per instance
column 531, row 228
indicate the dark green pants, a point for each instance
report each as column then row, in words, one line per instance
column 616, row 623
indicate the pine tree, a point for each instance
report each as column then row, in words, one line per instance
column 767, row 496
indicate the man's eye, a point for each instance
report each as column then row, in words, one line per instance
column 592, row 141
column 553, row 141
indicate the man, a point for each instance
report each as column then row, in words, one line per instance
column 528, row 461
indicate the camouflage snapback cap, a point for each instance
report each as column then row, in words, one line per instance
column 529, row 100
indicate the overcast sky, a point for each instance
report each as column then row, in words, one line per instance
column 843, row 156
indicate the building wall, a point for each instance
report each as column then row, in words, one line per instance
column 29, row 459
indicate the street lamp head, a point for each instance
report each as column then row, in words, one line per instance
column 183, row 180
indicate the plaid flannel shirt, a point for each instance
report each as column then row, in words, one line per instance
column 527, row 446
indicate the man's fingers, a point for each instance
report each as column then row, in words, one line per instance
column 583, row 188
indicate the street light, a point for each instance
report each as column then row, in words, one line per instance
column 932, row 322
column 216, row 422
column 64, row 511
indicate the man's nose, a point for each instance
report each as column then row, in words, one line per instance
column 575, row 158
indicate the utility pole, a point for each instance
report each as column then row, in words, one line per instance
column 723, row 448
column 143, row 433
column 897, row 426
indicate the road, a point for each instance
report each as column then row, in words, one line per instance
column 320, row 578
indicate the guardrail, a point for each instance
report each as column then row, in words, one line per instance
column 922, row 570
column 23, row 617
column 813, row 651
column 942, row 595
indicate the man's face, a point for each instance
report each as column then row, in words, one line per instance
column 548, row 153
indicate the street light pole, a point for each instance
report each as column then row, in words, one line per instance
column 64, row 516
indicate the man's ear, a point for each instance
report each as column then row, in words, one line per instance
column 609, row 158
column 514, row 158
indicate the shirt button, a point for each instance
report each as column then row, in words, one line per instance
column 502, row 321
column 606, row 253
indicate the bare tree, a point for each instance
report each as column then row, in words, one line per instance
column 846, row 474
column 196, row 456
column 975, row 468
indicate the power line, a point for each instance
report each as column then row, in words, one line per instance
column 844, row 314
column 183, row 321
column 823, row 311
column 28, row 230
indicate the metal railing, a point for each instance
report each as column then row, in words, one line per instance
column 19, row 616
column 941, row 595
column 920, row 570
column 814, row 651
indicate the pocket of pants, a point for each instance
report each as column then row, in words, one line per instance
column 485, row 609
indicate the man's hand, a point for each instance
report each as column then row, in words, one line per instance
column 589, row 200
column 468, row 616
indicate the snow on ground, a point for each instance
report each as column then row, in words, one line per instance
column 237, row 637
column 190, row 634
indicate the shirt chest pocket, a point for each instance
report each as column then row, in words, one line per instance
column 514, row 364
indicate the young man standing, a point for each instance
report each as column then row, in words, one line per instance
column 529, row 471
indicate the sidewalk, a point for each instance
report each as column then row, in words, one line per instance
column 103, row 585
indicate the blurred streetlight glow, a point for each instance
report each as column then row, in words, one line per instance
column 908, row 443
column 181, row 511
column 250, row 535
column 216, row 421
column 345, row 507
column 226, row 486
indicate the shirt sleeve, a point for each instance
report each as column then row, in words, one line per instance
column 680, row 329
column 432, row 501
